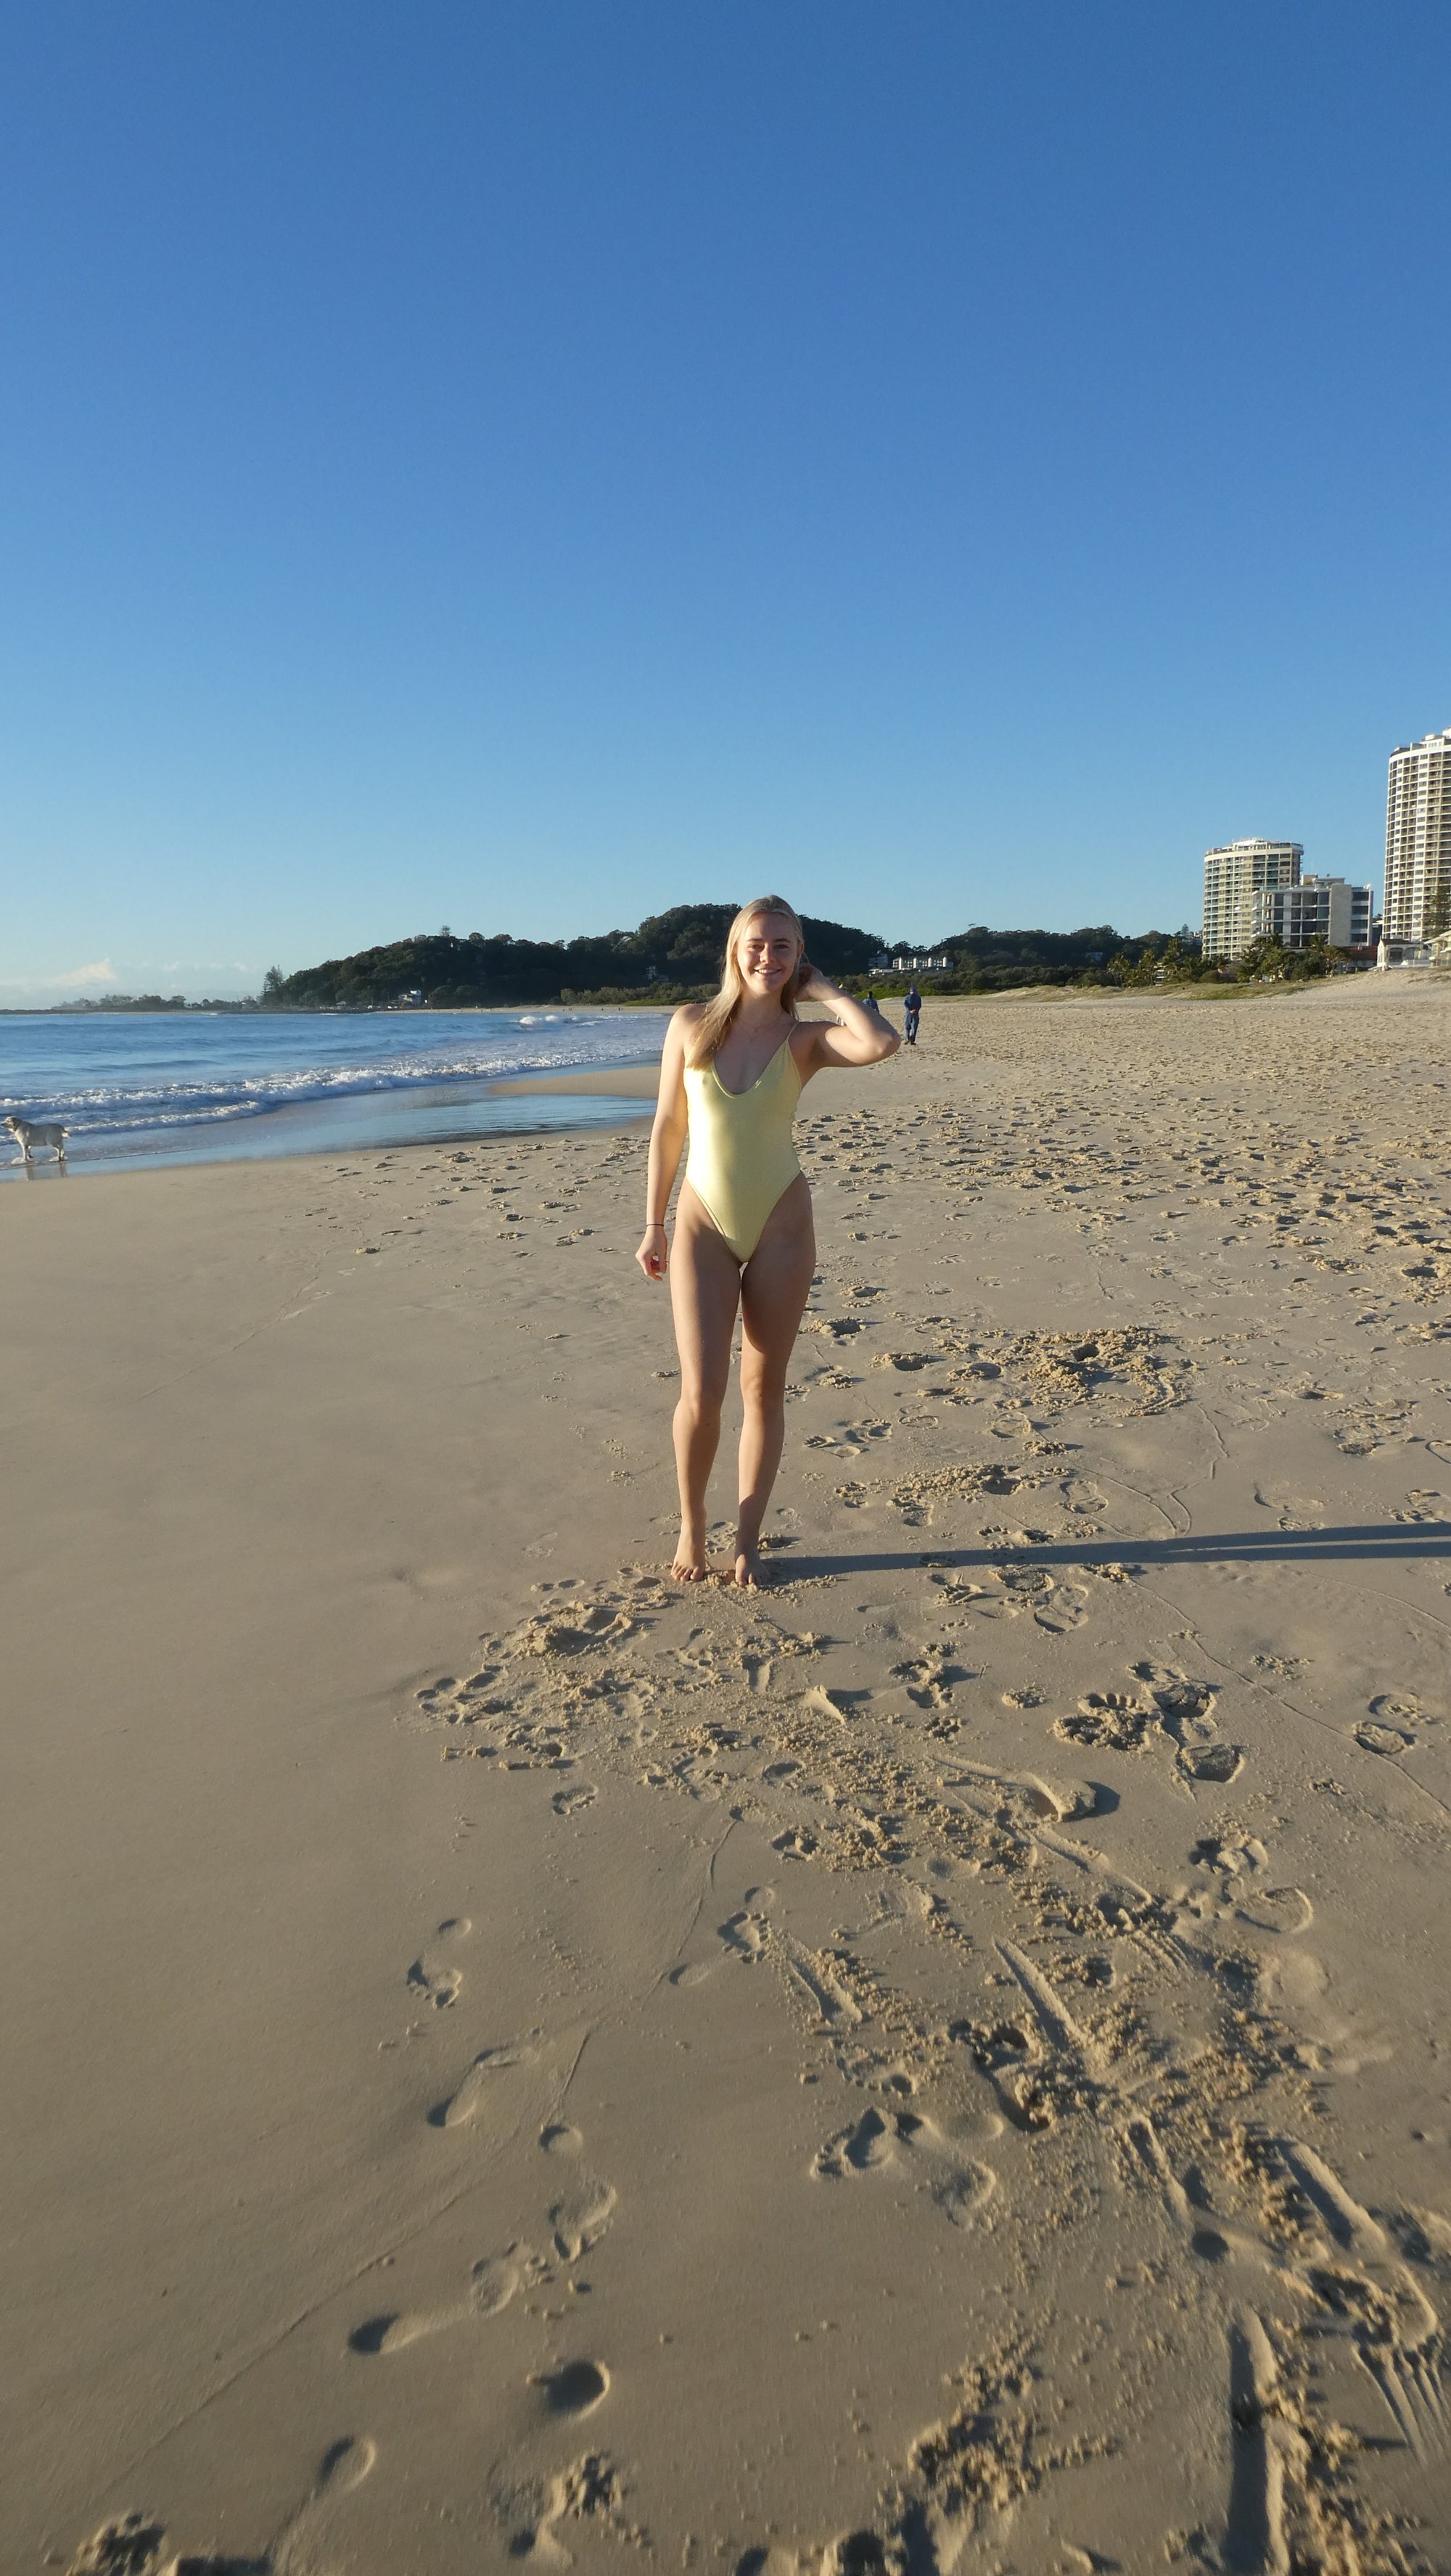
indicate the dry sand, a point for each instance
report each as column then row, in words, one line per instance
column 942, row 2064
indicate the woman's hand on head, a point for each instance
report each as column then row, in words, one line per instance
column 653, row 1255
column 811, row 984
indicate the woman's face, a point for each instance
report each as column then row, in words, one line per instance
column 766, row 952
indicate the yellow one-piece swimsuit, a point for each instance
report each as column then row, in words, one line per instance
column 742, row 1156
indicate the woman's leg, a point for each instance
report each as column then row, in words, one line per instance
column 775, row 1285
column 705, row 1290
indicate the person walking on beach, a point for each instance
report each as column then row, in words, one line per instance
column 911, row 1014
column 731, row 1075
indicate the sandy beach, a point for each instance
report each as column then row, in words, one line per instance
column 939, row 2065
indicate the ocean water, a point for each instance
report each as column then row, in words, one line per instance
column 148, row 1087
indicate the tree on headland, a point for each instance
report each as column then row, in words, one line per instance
column 673, row 956
column 139, row 1002
column 1000, row 961
column 272, row 983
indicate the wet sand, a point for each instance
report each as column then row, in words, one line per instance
column 621, row 1082
column 939, row 2065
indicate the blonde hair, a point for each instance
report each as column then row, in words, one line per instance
column 709, row 1033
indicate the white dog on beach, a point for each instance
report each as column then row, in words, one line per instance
column 31, row 1131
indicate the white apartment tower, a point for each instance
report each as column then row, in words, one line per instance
column 1233, row 876
column 1418, row 839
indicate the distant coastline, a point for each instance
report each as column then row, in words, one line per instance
column 125, row 1005
column 674, row 957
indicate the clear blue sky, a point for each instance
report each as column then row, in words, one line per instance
column 522, row 466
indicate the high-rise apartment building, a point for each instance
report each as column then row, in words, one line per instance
column 1327, row 908
column 1233, row 876
column 1418, row 839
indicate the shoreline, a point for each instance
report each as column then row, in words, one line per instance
column 378, row 1121
column 625, row 1082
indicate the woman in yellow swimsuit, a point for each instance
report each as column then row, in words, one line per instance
column 732, row 1073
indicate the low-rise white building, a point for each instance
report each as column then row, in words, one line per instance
column 1328, row 908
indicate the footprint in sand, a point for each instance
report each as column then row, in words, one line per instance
column 835, row 1704
column 492, row 2284
column 747, row 1933
column 344, row 2465
column 1109, row 1721
column 1399, row 1708
column 580, row 2219
column 902, row 2141
column 431, row 1979
column 468, row 2100
column 1211, row 1763
column 1119, row 1722
column 796, row 1843
column 1056, row 1802
column 1293, row 1511
column 132, row 2545
column 573, row 1802
column 1382, row 1739
column 1230, row 1854
column 1185, row 1705
column 589, row 2489
column 575, row 2388
column 1065, row 1609
column 1286, row 1910
column 817, row 1979
column 560, row 2139
column 127, row 2546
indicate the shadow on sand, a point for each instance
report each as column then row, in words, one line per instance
column 1369, row 1542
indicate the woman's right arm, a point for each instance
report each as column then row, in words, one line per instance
column 667, row 1144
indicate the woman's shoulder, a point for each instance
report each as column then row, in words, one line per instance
column 680, row 1036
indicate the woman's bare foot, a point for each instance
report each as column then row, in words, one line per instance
column 692, row 1564
column 749, row 1572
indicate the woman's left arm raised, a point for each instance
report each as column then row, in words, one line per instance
column 854, row 1036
